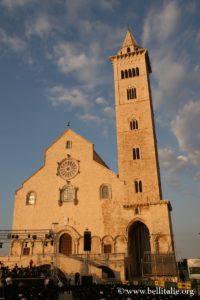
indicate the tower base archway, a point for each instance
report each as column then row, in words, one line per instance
column 138, row 244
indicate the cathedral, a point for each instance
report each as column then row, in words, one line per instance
column 75, row 192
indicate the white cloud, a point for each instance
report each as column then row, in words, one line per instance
column 106, row 37
column 59, row 95
column 197, row 175
column 169, row 71
column 171, row 162
column 11, row 4
column 91, row 118
column 71, row 58
column 170, row 74
column 197, row 40
column 106, row 109
column 182, row 157
column 40, row 26
column 170, row 63
column 160, row 25
column 101, row 101
column 13, row 42
column 109, row 111
column 108, row 4
column 186, row 128
column 77, row 8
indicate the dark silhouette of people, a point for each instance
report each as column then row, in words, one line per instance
column 77, row 278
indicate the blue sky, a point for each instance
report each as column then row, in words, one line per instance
column 54, row 68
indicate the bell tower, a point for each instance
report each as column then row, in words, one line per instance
column 137, row 149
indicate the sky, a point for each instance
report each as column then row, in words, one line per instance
column 55, row 69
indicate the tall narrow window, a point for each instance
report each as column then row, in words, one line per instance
column 131, row 93
column 133, row 72
column 31, row 198
column 67, row 193
column 128, row 49
column 26, row 251
column 105, row 191
column 107, row 248
column 136, row 153
column 126, row 74
column 133, row 124
column 129, row 73
column 138, row 186
column 122, row 74
column 137, row 71
column 68, row 144
column 134, row 93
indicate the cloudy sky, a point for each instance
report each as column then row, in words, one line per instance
column 54, row 68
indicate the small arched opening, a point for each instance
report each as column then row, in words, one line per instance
column 65, row 244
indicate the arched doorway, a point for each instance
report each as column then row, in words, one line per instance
column 138, row 244
column 65, row 244
column 107, row 272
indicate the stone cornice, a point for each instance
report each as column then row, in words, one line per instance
column 129, row 54
column 145, row 204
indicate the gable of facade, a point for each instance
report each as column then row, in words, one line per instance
column 78, row 195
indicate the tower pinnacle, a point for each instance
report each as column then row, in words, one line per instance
column 129, row 44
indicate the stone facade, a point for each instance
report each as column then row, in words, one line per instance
column 76, row 190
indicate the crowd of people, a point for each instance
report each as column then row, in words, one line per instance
column 30, row 283
column 24, row 272
column 39, row 283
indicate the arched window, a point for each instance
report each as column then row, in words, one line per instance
column 67, row 193
column 138, row 186
column 26, row 248
column 129, row 73
column 126, row 74
column 128, row 49
column 68, row 144
column 65, row 244
column 133, row 124
column 122, row 74
column 105, row 191
column 133, row 72
column 137, row 71
column 31, row 198
column 136, row 153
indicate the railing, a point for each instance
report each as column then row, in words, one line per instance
column 100, row 257
column 159, row 264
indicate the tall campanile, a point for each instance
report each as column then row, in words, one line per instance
column 147, row 218
column 137, row 149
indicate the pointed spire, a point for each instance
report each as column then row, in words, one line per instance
column 129, row 44
column 129, row 40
